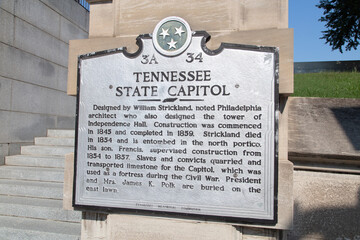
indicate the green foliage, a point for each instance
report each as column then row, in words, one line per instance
column 328, row 85
column 342, row 19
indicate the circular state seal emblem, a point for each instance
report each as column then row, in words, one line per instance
column 172, row 36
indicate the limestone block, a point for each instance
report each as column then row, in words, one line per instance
column 133, row 17
column 5, row 117
column 87, row 20
column 68, row 181
column 75, row 13
column 61, row 77
column 260, row 234
column 96, row 226
column 66, row 105
column 327, row 206
column 129, row 17
column 69, row 31
column 39, row 15
column 325, row 129
column 65, row 122
column 36, row 99
column 71, row 10
column 54, row 4
column 101, row 22
column 122, row 226
column 283, row 128
column 135, row 227
column 5, row 93
column 6, row 27
column 33, row 69
column 39, row 43
column 282, row 38
column 24, row 126
column 285, row 195
column 4, row 151
column 8, row 5
column 263, row 14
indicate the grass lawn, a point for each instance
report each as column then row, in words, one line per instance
column 327, row 85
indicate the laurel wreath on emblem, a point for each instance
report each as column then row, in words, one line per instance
column 172, row 36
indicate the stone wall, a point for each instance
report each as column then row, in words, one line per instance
column 34, row 36
column 324, row 145
column 326, row 206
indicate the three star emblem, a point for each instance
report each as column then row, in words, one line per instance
column 165, row 32
column 172, row 36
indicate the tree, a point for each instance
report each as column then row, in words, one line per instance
column 342, row 19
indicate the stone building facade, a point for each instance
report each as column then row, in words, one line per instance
column 34, row 37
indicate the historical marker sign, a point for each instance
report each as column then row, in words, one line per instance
column 178, row 128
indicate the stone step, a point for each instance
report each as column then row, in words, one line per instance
column 60, row 133
column 13, row 187
column 32, row 173
column 55, row 141
column 46, row 150
column 35, row 161
column 14, row 228
column 36, row 208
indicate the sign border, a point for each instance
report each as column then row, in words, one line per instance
column 159, row 213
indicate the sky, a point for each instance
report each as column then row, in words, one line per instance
column 308, row 47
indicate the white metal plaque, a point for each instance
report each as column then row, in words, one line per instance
column 178, row 128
